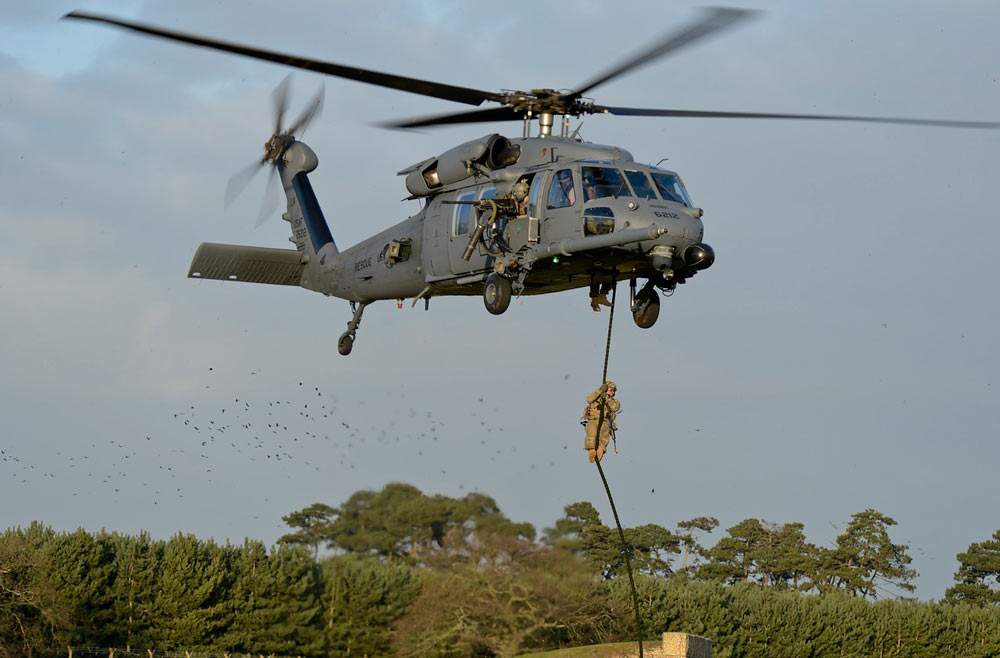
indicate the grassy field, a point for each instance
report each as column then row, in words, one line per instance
column 616, row 650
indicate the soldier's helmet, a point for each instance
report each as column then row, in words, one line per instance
column 610, row 386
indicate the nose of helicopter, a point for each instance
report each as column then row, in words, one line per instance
column 683, row 224
column 680, row 246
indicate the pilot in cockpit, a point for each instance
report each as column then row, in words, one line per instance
column 589, row 185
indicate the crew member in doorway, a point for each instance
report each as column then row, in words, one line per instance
column 595, row 444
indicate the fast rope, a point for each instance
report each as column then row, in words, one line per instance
column 626, row 549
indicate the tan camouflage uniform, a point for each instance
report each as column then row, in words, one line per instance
column 605, row 395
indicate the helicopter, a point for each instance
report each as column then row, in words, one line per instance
column 500, row 216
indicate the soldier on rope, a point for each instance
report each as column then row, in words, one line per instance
column 595, row 444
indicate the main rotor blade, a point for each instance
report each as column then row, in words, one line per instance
column 465, row 95
column 240, row 180
column 279, row 98
column 703, row 114
column 715, row 20
column 473, row 116
column 311, row 111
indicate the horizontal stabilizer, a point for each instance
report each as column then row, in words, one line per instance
column 230, row 262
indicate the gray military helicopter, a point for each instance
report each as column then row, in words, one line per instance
column 500, row 216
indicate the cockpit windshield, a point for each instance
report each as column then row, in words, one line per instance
column 671, row 188
column 600, row 182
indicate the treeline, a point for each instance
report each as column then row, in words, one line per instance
column 107, row 590
column 398, row 572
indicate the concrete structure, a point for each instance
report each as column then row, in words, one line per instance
column 679, row 645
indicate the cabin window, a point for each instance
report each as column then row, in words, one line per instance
column 488, row 193
column 640, row 183
column 600, row 182
column 598, row 221
column 561, row 192
column 464, row 212
column 533, row 195
column 671, row 188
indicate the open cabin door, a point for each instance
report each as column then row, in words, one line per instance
column 460, row 229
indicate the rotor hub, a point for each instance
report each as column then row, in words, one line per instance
column 275, row 146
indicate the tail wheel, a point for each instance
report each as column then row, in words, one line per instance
column 496, row 293
column 345, row 344
column 646, row 308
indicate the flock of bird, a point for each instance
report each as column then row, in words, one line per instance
column 271, row 438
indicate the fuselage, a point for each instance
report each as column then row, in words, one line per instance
column 577, row 191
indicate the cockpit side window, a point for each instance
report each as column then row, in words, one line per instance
column 600, row 182
column 534, row 195
column 561, row 191
column 463, row 214
column 671, row 188
column 640, row 183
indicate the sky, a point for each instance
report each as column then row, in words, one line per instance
column 840, row 355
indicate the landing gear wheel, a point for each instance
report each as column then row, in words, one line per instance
column 345, row 344
column 646, row 308
column 496, row 293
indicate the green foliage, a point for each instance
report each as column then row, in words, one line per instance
column 137, row 568
column 864, row 561
column 687, row 531
column 83, row 570
column 362, row 598
column 440, row 576
column 192, row 593
column 978, row 575
column 401, row 521
column 865, row 556
column 748, row 620
column 110, row 590
column 506, row 598
column 32, row 610
column 276, row 602
column 769, row 554
column 313, row 526
column 581, row 532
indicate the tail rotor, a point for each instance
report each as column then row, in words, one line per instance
column 274, row 148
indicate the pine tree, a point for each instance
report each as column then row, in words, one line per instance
column 865, row 555
column 581, row 532
column 978, row 575
column 84, row 571
column 771, row 554
column 251, row 582
column 312, row 525
column 362, row 598
column 191, row 603
column 732, row 558
column 275, row 599
column 294, row 613
column 137, row 566
column 401, row 521
column 686, row 532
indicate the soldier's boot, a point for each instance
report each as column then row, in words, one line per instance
column 591, row 456
column 602, row 299
column 600, row 453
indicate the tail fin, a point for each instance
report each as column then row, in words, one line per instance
column 310, row 232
